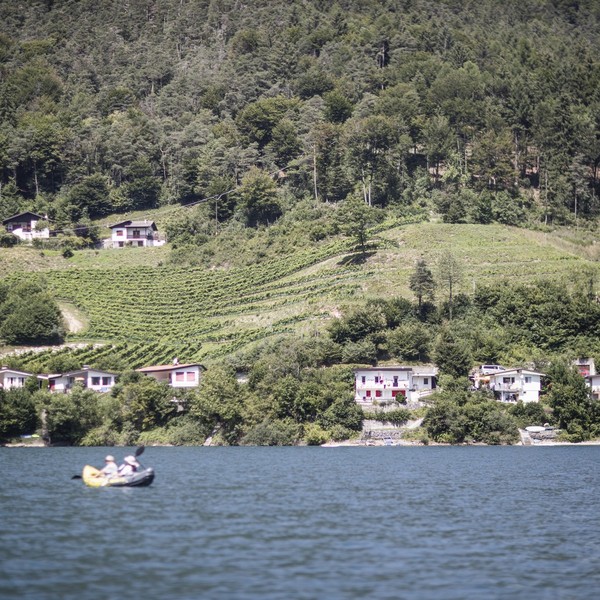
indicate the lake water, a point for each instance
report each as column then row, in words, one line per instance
column 287, row 523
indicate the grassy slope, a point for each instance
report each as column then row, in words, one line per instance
column 160, row 310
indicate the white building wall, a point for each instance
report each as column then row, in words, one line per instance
column 12, row 379
column 380, row 385
column 526, row 386
column 185, row 377
column 124, row 235
column 99, row 381
column 421, row 385
column 25, row 235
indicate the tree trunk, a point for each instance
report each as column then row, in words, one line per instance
column 35, row 179
column 316, row 190
column 546, row 197
column 516, row 164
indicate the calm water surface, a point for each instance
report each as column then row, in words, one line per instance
column 271, row 523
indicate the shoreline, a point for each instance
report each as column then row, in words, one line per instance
column 349, row 443
column 345, row 443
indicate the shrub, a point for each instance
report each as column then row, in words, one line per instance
column 315, row 435
column 398, row 416
column 272, row 433
column 18, row 414
column 8, row 240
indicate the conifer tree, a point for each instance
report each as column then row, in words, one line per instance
column 422, row 282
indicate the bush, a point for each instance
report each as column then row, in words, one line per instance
column 272, row 433
column 398, row 416
column 18, row 414
column 180, row 432
column 476, row 420
column 8, row 240
column 315, row 435
column 62, row 242
column 34, row 319
column 339, row 433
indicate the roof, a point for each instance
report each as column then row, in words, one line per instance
column 417, row 369
column 171, row 367
column 383, row 369
column 75, row 373
column 425, row 372
column 8, row 370
column 129, row 223
column 524, row 371
column 20, row 216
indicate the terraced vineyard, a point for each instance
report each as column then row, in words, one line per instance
column 150, row 314
column 156, row 313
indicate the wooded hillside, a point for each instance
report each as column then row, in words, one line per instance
column 484, row 110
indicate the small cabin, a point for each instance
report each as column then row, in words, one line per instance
column 393, row 383
column 176, row 375
column 134, row 233
column 514, row 385
column 91, row 379
column 26, row 226
column 12, row 379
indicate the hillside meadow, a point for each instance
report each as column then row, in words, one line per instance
column 152, row 309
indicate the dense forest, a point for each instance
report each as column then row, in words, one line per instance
column 482, row 110
column 291, row 128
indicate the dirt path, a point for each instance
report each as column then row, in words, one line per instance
column 74, row 320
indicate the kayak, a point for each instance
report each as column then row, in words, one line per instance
column 91, row 476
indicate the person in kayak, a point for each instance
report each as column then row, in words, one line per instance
column 130, row 465
column 109, row 469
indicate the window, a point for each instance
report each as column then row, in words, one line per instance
column 395, row 380
column 119, row 233
column 140, row 244
column 95, row 380
column 179, row 376
column 368, row 393
column 394, row 393
column 376, row 378
column 378, row 393
column 190, row 376
column 121, row 244
column 425, row 380
column 106, row 380
column 363, row 379
column 136, row 233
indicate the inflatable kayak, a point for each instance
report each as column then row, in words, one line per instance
column 92, row 477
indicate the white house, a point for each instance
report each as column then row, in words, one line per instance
column 593, row 381
column 91, row 379
column 176, row 375
column 585, row 366
column 134, row 233
column 10, row 378
column 513, row 385
column 385, row 384
column 25, row 226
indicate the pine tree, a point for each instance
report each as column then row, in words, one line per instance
column 422, row 283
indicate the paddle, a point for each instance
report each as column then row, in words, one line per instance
column 138, row 452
